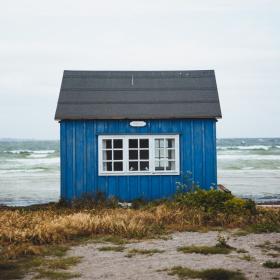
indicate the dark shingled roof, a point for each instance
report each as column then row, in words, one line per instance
column 138, row 95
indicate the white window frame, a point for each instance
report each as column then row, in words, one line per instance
column 152, row 159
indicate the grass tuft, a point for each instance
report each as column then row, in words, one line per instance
column 148, row 252
column 265, row 227
column 247, row 258
column 205, row 250
column 207, row 274
column 112, row 248
column 56, row 275
column 61, row 263
column 241, row 251
column 271, row 264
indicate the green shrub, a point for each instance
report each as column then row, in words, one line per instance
column 209, row 201
column 214, row 201
column 237, row 205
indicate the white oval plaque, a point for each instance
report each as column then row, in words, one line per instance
column 138, row 123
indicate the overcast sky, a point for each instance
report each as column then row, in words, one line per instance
column 239, row 39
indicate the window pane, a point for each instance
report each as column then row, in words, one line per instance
column 107, row 155
column 170, row 165
column 133, row 166
column 171, row 154
column 118, row 154
column 133, row 154
column 159, row 143
column 144, row 143
column 118, row 143
column 144, row 165
column 160, row 153
column 107, row 144
column 170, row 143
column 133, row 143
column 159, row 165
column 118, row 166
column 107, row 166
column 144, row 154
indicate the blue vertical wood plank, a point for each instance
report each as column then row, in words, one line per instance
column 85, row 156
column 90, row 159
column 210, row 140
column 215, row 152
column 198, row 152
column 79, row 158
column 203, row 180
column 69, row 159
column 63, row 160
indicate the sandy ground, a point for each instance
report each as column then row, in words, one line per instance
column 114, row 265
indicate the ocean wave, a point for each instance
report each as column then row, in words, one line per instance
column 34, row 161
column 252, row 147
column 237, row 157
column 33, row 170
column 20, row 151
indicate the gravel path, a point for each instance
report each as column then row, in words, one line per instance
column 114, row 265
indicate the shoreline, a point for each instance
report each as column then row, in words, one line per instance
column 272, row 204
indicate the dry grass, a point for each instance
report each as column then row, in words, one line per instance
column 24, row 231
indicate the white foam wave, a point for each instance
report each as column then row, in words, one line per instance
column 34, row 161
column 22, row 171
column 248, row 157
column 20, row 151
column 38, row 155
column 253, row 147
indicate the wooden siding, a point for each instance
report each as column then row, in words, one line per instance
column 79, row 158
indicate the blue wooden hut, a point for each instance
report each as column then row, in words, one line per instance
column 133, row 134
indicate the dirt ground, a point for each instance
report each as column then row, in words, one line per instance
column 115, row 265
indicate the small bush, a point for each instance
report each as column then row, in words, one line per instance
column 208, row 201
column 236, row 205
column 214, row 201
column 222, row 241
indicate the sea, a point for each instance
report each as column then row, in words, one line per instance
column 29, row 170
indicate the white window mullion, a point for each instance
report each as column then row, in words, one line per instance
column 152, row 154
column 100, row 155
column 177, row 154
column 125, row 154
